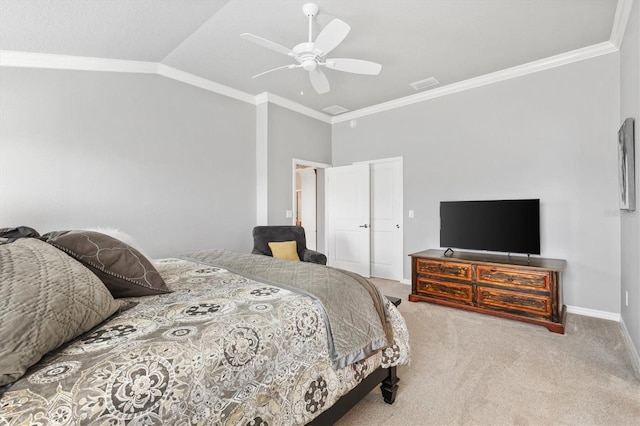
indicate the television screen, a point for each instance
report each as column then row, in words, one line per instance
column 511, row 226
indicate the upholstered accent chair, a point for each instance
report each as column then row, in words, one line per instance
column 263, row 235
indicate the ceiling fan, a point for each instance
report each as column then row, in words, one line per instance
column 311, row 56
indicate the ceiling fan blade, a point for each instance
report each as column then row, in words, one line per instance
column 319, row 81
column 277, row 68
column 267, row 43
column 330, row 37
column 356, row 66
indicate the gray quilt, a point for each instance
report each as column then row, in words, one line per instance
column 356, row 322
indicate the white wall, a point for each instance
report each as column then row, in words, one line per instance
column 630, row 221
column 168, row 163
column 549, row 135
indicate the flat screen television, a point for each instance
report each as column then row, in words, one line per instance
column 510, row 226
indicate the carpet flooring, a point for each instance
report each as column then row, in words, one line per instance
column 469, row 368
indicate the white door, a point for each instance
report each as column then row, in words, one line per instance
column 386, row 219
column 308, row 205
column 348, row 238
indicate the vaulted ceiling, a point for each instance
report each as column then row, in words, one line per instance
column 451, row 40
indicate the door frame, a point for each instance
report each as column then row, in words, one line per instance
column 320, row 218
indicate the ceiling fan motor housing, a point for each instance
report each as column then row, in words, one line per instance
column 304, row 55
column 303, row 48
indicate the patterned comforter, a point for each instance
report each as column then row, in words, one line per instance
column 220, row 349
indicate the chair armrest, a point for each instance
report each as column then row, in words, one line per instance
column 313, row 256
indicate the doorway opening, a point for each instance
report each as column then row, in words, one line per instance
column 308, row 201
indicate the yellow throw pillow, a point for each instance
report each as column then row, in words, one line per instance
column 284, row 250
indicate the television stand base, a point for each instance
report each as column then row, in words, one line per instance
column 523, row 289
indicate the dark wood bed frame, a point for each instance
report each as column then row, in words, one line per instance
column 385, row 377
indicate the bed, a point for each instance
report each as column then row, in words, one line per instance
column 228, row 338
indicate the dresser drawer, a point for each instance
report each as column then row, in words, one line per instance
column 514, row 301
column 533, row 280
column 461, row 271
column 444, row 290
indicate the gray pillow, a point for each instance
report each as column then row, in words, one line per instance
column 122, row 268
column 13, row 234
column 48, row 298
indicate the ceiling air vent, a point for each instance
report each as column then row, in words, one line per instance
column 336, row 109
column 423, row 84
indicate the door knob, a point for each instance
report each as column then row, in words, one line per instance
column 364, row 226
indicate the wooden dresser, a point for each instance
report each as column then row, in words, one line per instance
column 513, row 287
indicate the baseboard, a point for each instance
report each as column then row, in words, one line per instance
column 633, row 352
column 405, row 281
column 635, row 358
column 593, row 313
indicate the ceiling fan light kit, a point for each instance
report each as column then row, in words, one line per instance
column 311, row 56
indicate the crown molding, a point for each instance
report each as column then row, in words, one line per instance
column 11, row 58
column 203, row 83
column 262, row 98
column 483, row 80
column 620, row 21
column 293, row 106
column 623, row 12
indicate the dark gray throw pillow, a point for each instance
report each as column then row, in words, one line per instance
column 122, row 268
column 12, row 234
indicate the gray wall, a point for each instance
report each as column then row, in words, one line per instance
column 630, row 221
column 291, row 135
column 170, row 164
column 549, row 135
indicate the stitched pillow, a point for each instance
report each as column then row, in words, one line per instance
column 48, row 298
column 284, row 250
column 122, row 236
column 122, row 268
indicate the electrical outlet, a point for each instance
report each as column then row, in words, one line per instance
column 288, row 214
column 411, row 213
column 626, row 298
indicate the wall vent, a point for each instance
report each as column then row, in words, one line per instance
column 335, row 109
column 423, row 84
